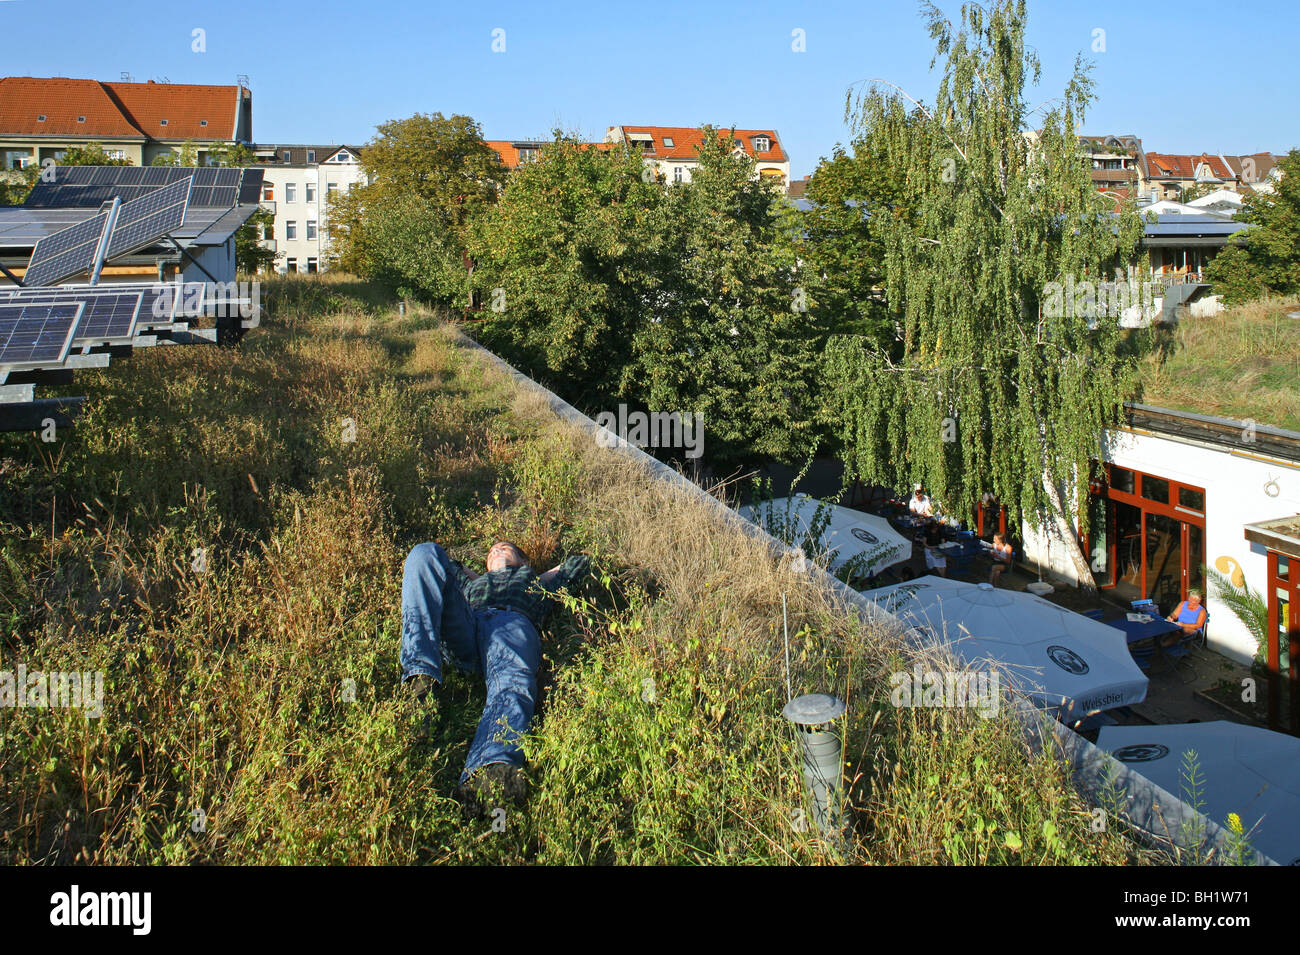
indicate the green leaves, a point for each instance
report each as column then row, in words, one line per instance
column 981, row 390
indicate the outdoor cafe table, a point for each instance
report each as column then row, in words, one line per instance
column 1136, row 630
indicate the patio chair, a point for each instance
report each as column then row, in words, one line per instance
column 1179, row 651
column 1142, row 653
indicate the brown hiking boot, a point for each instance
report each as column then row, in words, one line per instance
column 492, row 786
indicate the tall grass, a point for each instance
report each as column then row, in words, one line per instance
column 223, row 534
column 1242, row 363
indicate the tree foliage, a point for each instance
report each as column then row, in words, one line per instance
column 1265, row 260
column 611, row 284
column 984, row 390
column 428, row 177
column 842, row 245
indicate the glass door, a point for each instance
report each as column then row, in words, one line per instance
column 1164, row 546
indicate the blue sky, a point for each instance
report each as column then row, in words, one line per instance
column 1186, row 77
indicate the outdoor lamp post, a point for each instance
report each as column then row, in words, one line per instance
column 823, row 755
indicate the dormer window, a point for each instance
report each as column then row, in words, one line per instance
column 311, row 155
column 344, row 157
column 162, row 122
column 203, row 122
column 40, row 118
column 287, row 156
column 762, row 144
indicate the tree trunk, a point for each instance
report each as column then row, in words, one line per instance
column 1064, row 530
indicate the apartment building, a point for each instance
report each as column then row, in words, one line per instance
column 42, row 117
column 1116, row 164
column 298, row 184
column 673, row 151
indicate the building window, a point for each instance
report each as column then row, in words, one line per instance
column 287, row 156
column 762, row 144
column 678, row 173
column 291, row 265
column 668, row 142
column 290, row 192
column 162, row 122
column 116, row 153
column 291, row 229
column 311, row 228
column 312, row 265
column 203, row 122
column 81, row 119
column 40, row 118
column 331, row 188
column 344, row 157
column 311, row 155
column 268, row 192
column 311, row 192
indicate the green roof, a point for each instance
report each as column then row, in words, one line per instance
column 1243, row 363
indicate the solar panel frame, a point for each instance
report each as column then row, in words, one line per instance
column 111, row 313
column 143, row 221
column 37, row 336
column 65, row 253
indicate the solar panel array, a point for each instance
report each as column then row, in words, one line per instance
column 91, row 186
column 143, row 220
column 65, row 253
column 110, row 313
column 33, row 334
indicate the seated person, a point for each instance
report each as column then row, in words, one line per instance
column 1001, row 554
column 1190, row 617
column 920, row 504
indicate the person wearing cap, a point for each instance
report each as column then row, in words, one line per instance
column 488, row 624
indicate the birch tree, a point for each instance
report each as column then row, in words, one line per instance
column 983, row 389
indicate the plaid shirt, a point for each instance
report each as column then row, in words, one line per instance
column 521, row 588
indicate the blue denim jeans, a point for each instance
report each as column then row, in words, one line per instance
column 503, row 645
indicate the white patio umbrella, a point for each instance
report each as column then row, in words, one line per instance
column 850, row 534
column 1248, row 770
column 1061, row 660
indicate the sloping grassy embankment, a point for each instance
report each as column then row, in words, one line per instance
column 210, row 539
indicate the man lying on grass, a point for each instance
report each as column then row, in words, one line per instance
column 489, row 625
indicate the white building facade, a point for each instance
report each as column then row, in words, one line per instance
column 298, row 185
column 1163, row 505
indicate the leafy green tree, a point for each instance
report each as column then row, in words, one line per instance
column 567, row 268
column 188, row 155
column 989, row 388
column 1264, row 260
column 733, row 332
column 842, row 249
column 428, row 177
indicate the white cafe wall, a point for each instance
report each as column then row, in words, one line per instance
column 1235, row 495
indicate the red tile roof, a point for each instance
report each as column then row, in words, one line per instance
column 508, row 149
column 116, row 110
column 687, row 140
column 1166, row 166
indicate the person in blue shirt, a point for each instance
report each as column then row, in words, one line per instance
column 1189, row 615
column 488, row 624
